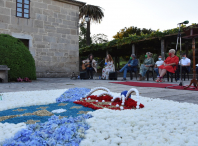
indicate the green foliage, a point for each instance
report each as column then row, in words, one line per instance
column 131, row 38
column 17, row 57
column 95, row 13
column 155, row 57
column 131, row 31
column 96, row 39
column 82, row 35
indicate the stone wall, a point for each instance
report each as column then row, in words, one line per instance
column 52, row 33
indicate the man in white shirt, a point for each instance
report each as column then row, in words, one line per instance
column 185, row 63
column 157, row 64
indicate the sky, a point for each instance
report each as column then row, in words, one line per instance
column 154, row 14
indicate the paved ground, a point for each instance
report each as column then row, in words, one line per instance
column 61, row 83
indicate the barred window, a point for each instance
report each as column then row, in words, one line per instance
column 23, row 8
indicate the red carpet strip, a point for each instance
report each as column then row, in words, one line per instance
column 157, row 85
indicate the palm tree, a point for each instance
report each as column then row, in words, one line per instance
column 95, row 14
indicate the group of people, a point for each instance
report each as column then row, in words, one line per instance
column 109, row 66
column 171, row 64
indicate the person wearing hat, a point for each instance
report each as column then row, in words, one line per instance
column 130, row 66
column 148, row 62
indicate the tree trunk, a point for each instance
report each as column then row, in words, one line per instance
column 88, row 33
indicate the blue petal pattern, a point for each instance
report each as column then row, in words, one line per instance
column 73, row 94
column 50, row 107
column 54, row 132
column 66, row 131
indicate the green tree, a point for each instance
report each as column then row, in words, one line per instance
column 125, row 32
column 82, row 35
column 95, row 14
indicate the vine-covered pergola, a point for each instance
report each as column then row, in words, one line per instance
column 157, row 42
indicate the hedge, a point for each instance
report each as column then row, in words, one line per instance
column 17, row 57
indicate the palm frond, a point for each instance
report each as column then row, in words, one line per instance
column 95, row 13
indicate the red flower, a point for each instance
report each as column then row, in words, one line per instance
column 129, row 104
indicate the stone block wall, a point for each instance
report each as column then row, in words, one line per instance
column 52, row 33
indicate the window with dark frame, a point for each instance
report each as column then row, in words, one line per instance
column 23, row 8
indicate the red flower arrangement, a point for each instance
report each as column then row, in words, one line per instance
column 129, row 103
column 19, row 80
column 25, row 80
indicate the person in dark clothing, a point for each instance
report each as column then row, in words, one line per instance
column 130, row 66
column 91, row 66
column 185, row 64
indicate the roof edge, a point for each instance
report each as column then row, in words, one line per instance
column 73, row 2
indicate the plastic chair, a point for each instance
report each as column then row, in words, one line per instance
column 131, row 74
column 171, row 74
column 136, row 72
column 186, row 72
column 94, row 72
column 150, row 70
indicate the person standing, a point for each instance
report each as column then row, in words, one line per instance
column 185, row 64
column 157, row 64
column 91, row 66
column 130, row 66
column 108, row 68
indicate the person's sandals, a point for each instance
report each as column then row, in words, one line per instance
column 159, row 79
column 140, row 78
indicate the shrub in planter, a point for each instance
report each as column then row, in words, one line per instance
column 17, row 57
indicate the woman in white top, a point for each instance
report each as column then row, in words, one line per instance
column 108, row 68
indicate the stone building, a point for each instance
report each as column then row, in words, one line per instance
column 49, row 28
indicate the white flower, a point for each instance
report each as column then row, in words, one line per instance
column 160, row 122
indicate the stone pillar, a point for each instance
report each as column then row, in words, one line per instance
column 133, row 49
column 166, row 46
column 162, row 49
